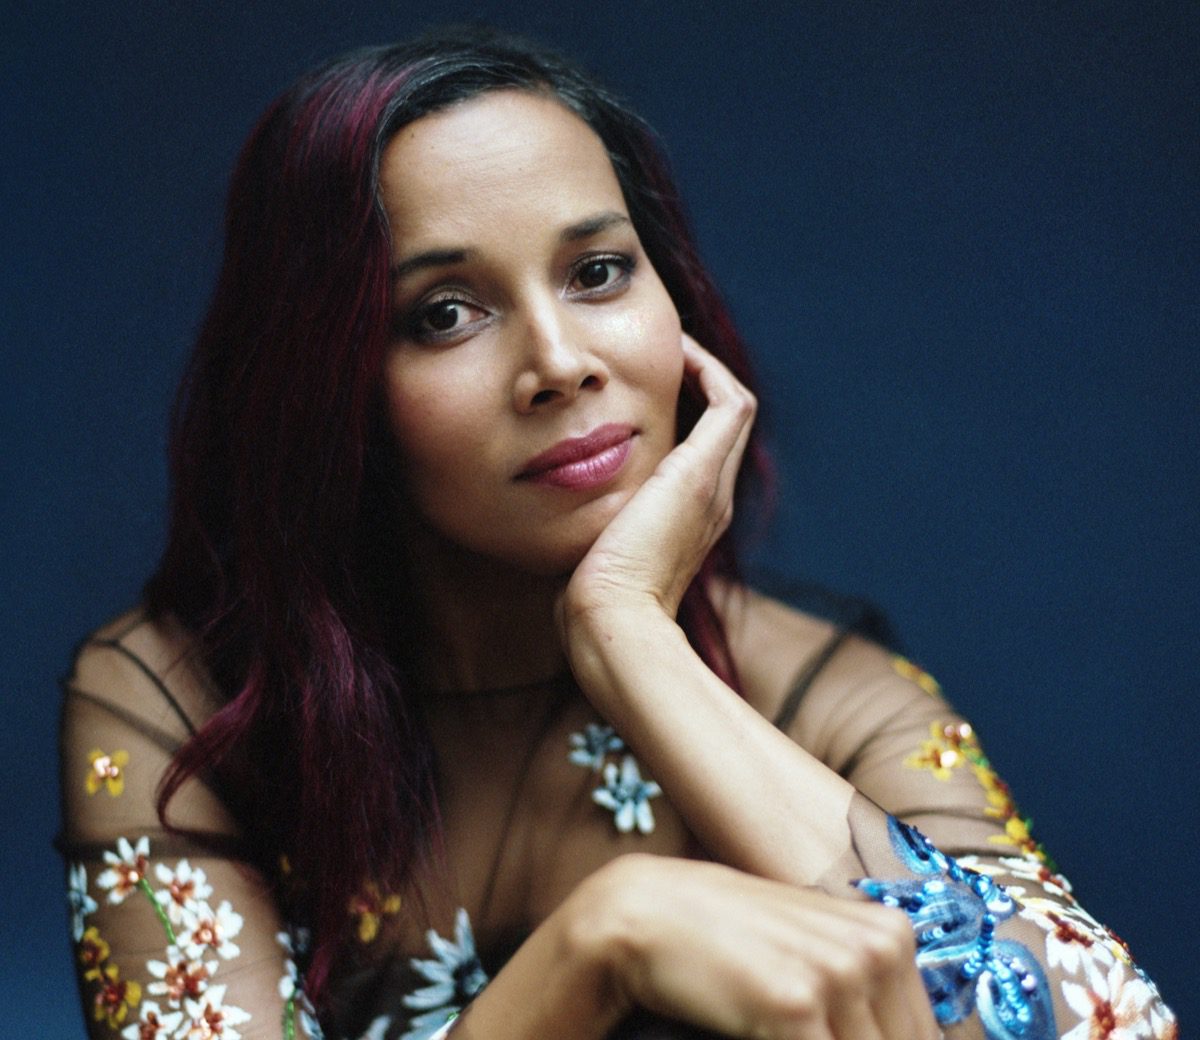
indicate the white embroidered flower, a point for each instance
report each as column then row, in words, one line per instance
column 1112, row 1005
column 210, row 1017
column 589, row 747
column 378, row 1028
column 78, row 900
column 185, row 888
column 179, row 976
column 204, row 929
column 1026, row 868
column 444, row 1032
column 1069, row 942
column 628, row 796
column 454, row 979
column 126, row 868
column 312, row 1028
column 1072, row 912
column 290, row 987
column 153, row 1023
column 1163, row 1025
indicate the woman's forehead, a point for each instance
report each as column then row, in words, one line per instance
column 503, row 156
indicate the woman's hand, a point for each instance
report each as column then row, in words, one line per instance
column 654, row 546
column 747, row 957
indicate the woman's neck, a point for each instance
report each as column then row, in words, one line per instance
column 488, row 625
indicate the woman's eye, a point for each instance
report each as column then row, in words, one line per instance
column 602, row 272
column 441, row 318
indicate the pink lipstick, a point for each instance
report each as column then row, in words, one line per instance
column 579, row 463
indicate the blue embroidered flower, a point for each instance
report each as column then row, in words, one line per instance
column 454, row 979
column 78, row 900
column 628, row 796
column 589, row 747
column 954, row 914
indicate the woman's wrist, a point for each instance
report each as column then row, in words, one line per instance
column 564, row 980
column 602, row 637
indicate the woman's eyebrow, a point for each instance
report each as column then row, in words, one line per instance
column 430, row 258
column 592, row 225
column 444, row 257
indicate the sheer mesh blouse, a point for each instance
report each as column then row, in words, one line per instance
column 177, row 937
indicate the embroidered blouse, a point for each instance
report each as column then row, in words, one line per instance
column 175, row 939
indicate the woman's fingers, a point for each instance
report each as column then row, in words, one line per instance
column 755, row 958
column 723, row 429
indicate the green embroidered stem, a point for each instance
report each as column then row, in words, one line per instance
column 289, row 1018
column 165, row 921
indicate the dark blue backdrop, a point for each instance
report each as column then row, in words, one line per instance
column 962, row 238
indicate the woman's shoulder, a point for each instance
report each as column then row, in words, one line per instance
column 138, row 664
column 781, row 650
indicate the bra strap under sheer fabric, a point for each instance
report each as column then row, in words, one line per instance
column 168, row 696
column 808, row 674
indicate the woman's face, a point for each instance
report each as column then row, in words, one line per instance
column 536, row 360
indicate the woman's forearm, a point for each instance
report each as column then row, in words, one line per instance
column 755, row 799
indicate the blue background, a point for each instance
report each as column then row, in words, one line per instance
column 961, row 237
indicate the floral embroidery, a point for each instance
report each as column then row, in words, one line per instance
column 93, row 952
column 623, row 792
column 179, row 977
column 127, row 868
column 1033, row 869
column 107, row 771
column 964, row 966
column 80, row 903
column 444, row 1032
column 628, row 796
column 212, row 1018
column 1162, row 1022
column 589, row 748
column 153, row 1023
column 952, row 745
column 196, row 1008
column 185, row 888
column 915, row 673
column 454, row 979
column 1112, row 1005
column 370, row 907
column 115, row 997
column 1016, row 832
column 206, row 929
column 295, row 944
column 379, row 1027
column 1074, row 937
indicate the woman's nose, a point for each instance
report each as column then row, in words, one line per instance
column 556, row 361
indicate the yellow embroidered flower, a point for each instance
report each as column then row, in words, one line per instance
column 115, row 997
column 107, row 771
column 370, row 907
column 1016, row 832
column 915, row 673
column 93, row 952
column 950, row 745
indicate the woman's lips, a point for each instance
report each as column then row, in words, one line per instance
column 582, row 462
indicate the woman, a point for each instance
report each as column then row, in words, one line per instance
column 452, row 690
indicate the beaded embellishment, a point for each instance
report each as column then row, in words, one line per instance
column 954, row 913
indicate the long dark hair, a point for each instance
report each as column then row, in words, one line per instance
column 280, row 556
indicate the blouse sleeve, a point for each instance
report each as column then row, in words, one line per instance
column 171, row 938
column 1003, row 947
